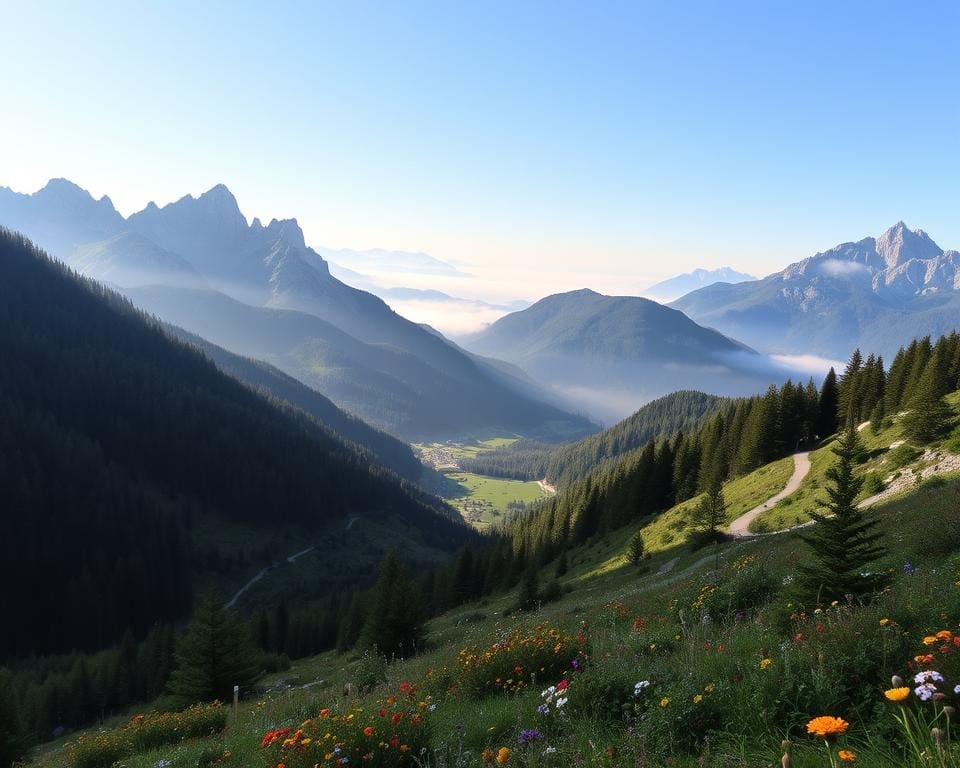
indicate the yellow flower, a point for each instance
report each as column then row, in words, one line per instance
column 765, row 663
column 709, row 687
column 846, row 755
column 825, row 725
column 698, row 698
column 884, row 622
column 929, row 640
column 897, row 694
column 503, row 755
column 664, row 702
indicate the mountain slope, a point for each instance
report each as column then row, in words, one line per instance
column 132, row 469
column 621, row 347
column 877, row 293
column 205, row 242
column 674, row 287
column 388, row 451
column 387, row 387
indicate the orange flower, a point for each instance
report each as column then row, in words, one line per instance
column 897, row 694
column 324, row 713
column 488, row 756
column 826, row 725
column 944, row 634
column 846, row 755
column 503, row 755
column 369, row 731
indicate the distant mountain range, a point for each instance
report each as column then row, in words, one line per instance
column 378, row 260
column 675, row 287
column 258, row 283
column 615, row 353
column 877, row 293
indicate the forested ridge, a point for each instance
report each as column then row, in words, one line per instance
column 666, row 416
column 115, row 440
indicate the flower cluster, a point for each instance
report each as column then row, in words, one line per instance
column 519, row 658
column 146, row 732
column 556, row 696
column 388, row 736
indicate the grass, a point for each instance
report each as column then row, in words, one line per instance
column 760, row 705
column 483, row 501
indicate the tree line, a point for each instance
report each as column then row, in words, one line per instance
column 682, row 411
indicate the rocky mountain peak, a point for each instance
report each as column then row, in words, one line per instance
column 900, row 244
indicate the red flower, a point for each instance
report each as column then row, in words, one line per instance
column 397, row 717
column 562, row 685
column 382, row 713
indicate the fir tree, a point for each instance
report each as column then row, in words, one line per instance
column 215, row 654
column 844, row 540
column 561, row 568
column 827, row 410
column 928, row 415
column 710, row 515
column 529, row 595
column 636, row 550
column 395, row 617
column 13, row 739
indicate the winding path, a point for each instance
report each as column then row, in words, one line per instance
column 740, row 528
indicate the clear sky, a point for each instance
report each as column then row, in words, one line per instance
column 546, row 145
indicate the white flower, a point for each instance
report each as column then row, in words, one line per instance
column 925, row 691
column 549, row 751
column 928, row 676
column 561, row 701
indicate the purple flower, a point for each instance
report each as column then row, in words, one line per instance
column 543, row 709
column 956, row 690
column 577, row 666
column 529, row 735
column 910, row 569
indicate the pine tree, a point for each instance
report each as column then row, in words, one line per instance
column 13, row 738
column 395, row 617
column 215, row 654
column 635, row 550
column 561, row 568
column 529, row 595
column 928, row 415
column 844, row 541
column 828, row 406
column 710, row 515
column 849, row 389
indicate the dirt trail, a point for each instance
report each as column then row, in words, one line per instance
column 546, row 487
column 740, row 528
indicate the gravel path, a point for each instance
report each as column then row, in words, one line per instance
column 740, row 528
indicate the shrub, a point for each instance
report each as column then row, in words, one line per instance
column 371, row 671
column 520, row 658
column 873, row 484
column 388, row 735
column 748, row 586
column 902, row 455
column 144, row 733
column 604, row 693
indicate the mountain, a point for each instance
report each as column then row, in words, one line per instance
column 378, row 260
column 674, row 287
column 387, row 387
column 877, row 293
column 205, row 244
column 616, row 352
column 562, row 465
column 273, row 383
column 133, row 471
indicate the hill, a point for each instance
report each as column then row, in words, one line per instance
column 133, row 470
column 615, row 353
column 560, row 465
column 205, row 243
column 877, row 294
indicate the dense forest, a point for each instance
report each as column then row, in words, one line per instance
column 666, row 416
column 117, row 442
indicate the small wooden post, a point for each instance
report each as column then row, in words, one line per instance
column 236, row 699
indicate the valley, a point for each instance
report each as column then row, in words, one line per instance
column 483, row 501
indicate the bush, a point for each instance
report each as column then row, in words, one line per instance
column 371, row 671
column 519, row 659
column 603, row 693
column 748, row 586
column 873, row 484
column 387, row 735
column 144, row 733
column 902, row 455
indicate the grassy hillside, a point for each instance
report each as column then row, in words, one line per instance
column 717, row 648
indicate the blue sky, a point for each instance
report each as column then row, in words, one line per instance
column 547, row 145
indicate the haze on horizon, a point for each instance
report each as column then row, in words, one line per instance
column 539, row 148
